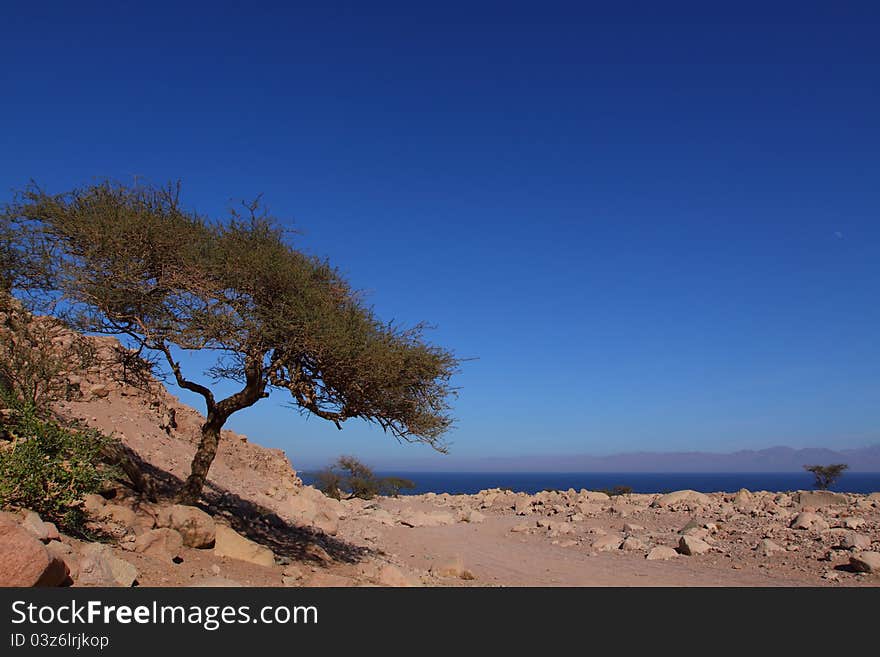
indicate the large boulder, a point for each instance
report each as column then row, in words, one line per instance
column 67, row 555
column 607, row 543
column 865, row 562
column 24, row 560
column 229, row 543
column 389, row 575
column 301, row 507
column 100, row 567
column 809, row 520
column 817, row 499
column 422, row 519
column 522, row 506
column 691, row 545
column 196, row 528
column 855, row 541
column 165, row 544
column 661, row 553
column 767, row 548
column 44, row 531
column 679, row 496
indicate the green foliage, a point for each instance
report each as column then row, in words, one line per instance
column 47, row 467
column 348, row 478
column 826, row 475
column 133, row 262
column 616, row 491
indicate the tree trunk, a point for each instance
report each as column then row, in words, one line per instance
column 207, row 450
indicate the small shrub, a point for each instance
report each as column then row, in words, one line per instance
column 616, row 491
column 826, row 475
column 48, row 467
column 348, row 478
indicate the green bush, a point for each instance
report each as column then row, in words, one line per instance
column 348, row 478
column 616, row 491
column 47, row 467
column 826, row 475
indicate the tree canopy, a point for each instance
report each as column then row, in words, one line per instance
column 131, row 261
column 826, row 475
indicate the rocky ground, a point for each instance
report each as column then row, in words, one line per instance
column 258, row 525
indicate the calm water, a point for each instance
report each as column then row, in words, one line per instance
column 640, row 482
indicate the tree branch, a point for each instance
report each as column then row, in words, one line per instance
column 184, row 383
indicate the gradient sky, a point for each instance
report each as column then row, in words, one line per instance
column 655, row 229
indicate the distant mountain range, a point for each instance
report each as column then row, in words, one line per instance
column 773, row 459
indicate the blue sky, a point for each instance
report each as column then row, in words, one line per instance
column 654, row 229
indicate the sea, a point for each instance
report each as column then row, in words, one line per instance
column 639, row 482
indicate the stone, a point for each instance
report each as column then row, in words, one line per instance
column 100, row 567
column 865, row 562
column 809, row 520
column 691, row 545
column 661, row 553
column 93, row 504
column 229, row 543
column 422, row 519
column 523, row 506
column 63, row 552
column 853, row 522
column 119, row 514
column 855, row 541
column 817, row 499
column 57, row 574
column 607, row 543
column 99, row 391
column 327, row 521
column 302, row 507
column 24, row 560
column 517, row 529
column 631, row 543
column 196, row 527
column 768, row 548
column 292, row 571
column 392, row 576
column 165, row 544
column 630, row 528
column 743, row 498
column 44, row 531
column 681, row 496
column 623, row 509
column 593, row 496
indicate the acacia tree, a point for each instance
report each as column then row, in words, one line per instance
column 826, row 475
column 132, row 262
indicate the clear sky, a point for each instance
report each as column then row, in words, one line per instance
column 656, row 229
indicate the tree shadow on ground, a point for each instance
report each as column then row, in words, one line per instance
column 289, row 542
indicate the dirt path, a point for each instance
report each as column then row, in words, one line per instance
column 500, row 558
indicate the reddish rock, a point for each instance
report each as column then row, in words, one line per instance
column 24, row 560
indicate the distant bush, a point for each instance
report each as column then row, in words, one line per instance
column 48, row 467
column 348, row 478
column 617, row 490
column 826, row 475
